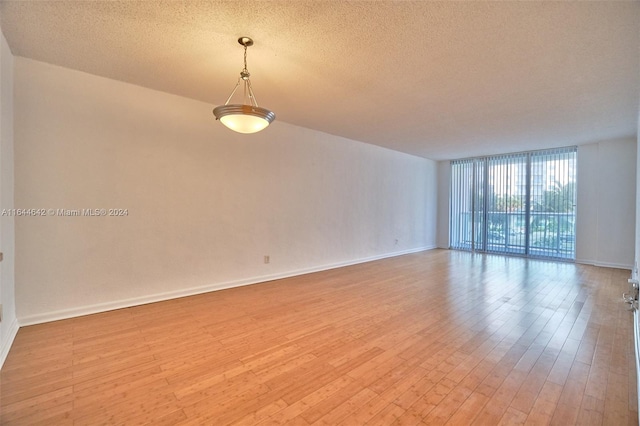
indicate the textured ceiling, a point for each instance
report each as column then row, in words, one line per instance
column 436, row 79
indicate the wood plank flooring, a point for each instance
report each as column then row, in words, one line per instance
column 438, row 337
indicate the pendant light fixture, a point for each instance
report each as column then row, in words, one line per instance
column 247, row 117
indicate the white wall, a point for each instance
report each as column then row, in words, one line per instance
column 204, row 204
column 444, row 179
column 606, row 211
column 9, row 323
column 431, row 205
column 634, row 271
column 606, row 203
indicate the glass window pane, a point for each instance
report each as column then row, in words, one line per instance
column 520, row 204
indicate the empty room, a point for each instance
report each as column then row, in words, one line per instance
column 319, row 212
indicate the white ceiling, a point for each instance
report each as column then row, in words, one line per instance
column 440, row 80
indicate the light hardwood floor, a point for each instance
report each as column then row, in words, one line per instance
column 438, row 337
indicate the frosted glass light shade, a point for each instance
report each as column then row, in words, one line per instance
column 244, row 118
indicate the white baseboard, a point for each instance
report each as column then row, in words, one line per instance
column 159, row 297
column 605, row 264
column 8, row 341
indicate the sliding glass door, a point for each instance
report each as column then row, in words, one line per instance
column 506, row 194
column 520, row 204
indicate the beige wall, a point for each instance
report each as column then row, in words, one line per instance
column 205, row 205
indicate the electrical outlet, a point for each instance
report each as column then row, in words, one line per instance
column 266, row 259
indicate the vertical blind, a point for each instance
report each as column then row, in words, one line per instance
column 520, row 203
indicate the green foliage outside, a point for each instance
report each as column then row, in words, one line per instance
column 552, row 217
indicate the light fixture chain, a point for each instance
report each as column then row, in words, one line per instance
column 245, row 60
column 245, row 76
